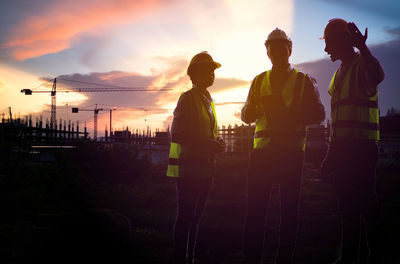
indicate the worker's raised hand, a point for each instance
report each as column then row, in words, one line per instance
column 358, row 38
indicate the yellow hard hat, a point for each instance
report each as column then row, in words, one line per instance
column 335, row 27
column 278, row 34
column 201, row 59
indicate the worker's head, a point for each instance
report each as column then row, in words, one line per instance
column 338, row 40
column 201, row 70
column 279, row 47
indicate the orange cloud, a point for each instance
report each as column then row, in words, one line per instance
column 115, row 75
column 60, row 25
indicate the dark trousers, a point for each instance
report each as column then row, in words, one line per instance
column 273, row 165
column 192, row 196
column 355, row 184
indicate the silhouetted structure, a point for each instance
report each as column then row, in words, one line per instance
column 24, row 133
column 162, row 138
column 389, row 145
column 317, row 141
column 238, row 139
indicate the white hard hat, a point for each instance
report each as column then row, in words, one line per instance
column 278, row 34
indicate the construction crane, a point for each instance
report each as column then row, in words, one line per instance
column 53, row 117
column 99, row 88
column 96, row 112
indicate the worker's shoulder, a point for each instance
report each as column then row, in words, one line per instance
column 259, row 77
column 187, row 93
column 187, row 96
column 261, row 74
column 184, row 103
column 310, row 80
column 307, row 75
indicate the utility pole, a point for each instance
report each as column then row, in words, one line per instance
column 111, row 109
column 10, row 113
column 53, row 118
column 110, row 123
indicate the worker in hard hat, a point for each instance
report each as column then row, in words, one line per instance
column 282, row 101
column 353, row 153
column 191, row 160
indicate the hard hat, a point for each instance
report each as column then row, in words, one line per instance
column 278, row 34
column 201, row 59
column 336, row 26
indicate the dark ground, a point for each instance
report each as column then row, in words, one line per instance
column 107, row 206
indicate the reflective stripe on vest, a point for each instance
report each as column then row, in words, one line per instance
column 215, row 127
column 207, row 128
column 354, row 115
column 173, row 162
column 292, row 94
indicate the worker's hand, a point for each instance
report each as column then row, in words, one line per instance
column 221, row 143
column 358, row 38
column 213, row 146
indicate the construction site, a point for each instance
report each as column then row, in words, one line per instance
column 58, row 181
column 71, row 193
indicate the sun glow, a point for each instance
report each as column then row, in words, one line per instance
column 159, row 47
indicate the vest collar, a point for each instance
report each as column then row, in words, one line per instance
column 287, row 69
column 203, row 93
column 290, row 77
column 344, row 67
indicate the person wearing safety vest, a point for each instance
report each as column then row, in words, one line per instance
column 191, row 160
column 353, row 154
column 282, row 101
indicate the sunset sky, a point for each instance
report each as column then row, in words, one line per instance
column 138, row 43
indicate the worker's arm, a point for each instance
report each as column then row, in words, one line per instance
column 183, row 131
column 370, row 73
column 180, row 130
column 251, row 110
column 373, row 70
column 312, row 110
column 370, row 68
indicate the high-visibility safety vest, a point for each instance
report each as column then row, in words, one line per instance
column 354, row 114
column 292, row 94
column 205, row 126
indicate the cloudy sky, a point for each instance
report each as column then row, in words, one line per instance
column 148, row 43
